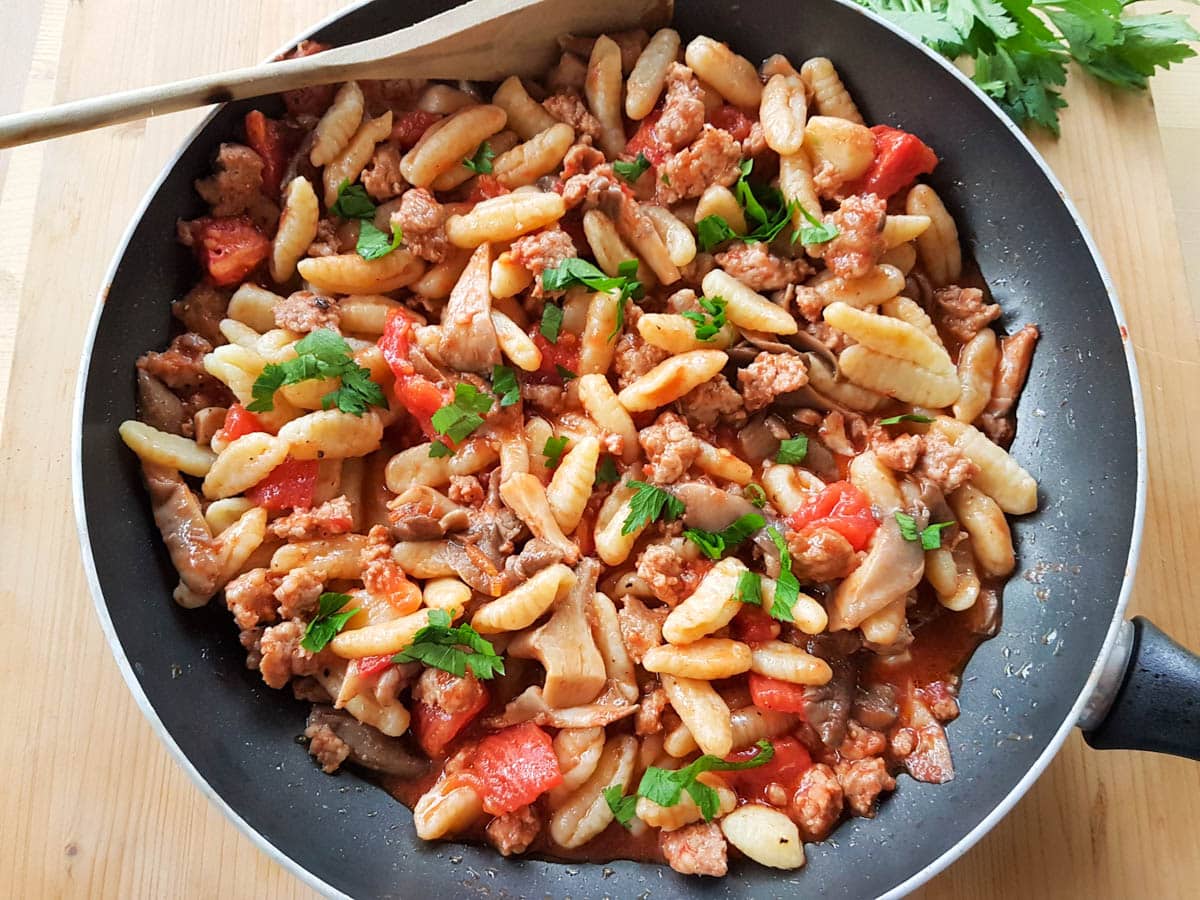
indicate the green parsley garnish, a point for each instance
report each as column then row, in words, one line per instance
column 564, row 373
column 755, row 494
column 665, row 787
column 437, row 450
column 648, row 504
column 665, row 179
column 606, row 472
column 714, row 544
column 816, row 231
column 576, row 271
column 767, row 213
column 353, row 202
column 632, row 171
column 623, row 808
column 749, row 589
column 458, row 419
column 320, row 354
column 552, row 317
column 505, row 386
column 907, row 417
column 373, row 243
column 553, row 451
column 710, row 322
column 787, row 588
column 452, row 650
column 328, row 621
column 1021, row 62
column 792, row 450
column 930, row 536
column 713, row 230
column 481, row 162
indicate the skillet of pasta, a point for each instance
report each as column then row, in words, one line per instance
column 615, row 461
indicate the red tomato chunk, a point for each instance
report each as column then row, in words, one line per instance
column 239, row 422
column 787, row 766
column 841, row 507
column 733, row 120
column 416, row 393
column 268, row 139
column 435, row 727
column 408, row 127
column 370, row 665
column 289, row 486
column 899, row 158
column 753, row 625
column 647, row 142
column 230, row 248
column 775, row 695
column 515, row 767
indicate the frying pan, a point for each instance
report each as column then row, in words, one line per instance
column 1063, row 655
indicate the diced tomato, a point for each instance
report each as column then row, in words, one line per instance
column 289, row 486
column 486, row 187
column 753, row 624
column 775, row 695
column 732, row 120
column 229, row 247
column 408, row 127
column 416, row 393
column 435, row 728
column 899, row 158
column 515, row 767
column 565, row 353
column 269, row 140
column 787, row 766
column 370, row 665
column 239, row 422
column 841, row 507
column 647, row 141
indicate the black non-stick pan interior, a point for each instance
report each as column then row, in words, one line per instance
column 1076, row 435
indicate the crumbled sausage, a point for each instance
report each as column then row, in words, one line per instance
column 770, row 375
column 821, row 554
column 682, row 116
column 446, row 691
column 512, row 833
column 330, row 518
column 944, row 464
column 817, row 803
column 326, row 243
column 827, row 180
column 697, row 849
column 236, row 184
column 759, row 269
column 466, row 489
column 641, row 628
column 542, row 250
column 181, row 365
column 313, row 100
column 547, row 399
column 571, row 109
column 201, row 310
column 328, row 749
column 251, row 597
column 862, row 781
column 961, row 312
column 714, row 400
column 755, row 142
column 299, row 591
column 282, row 655
column 423, row 222
column 711, row 159
column 634, row 357
column 899, row 452
column 592, row 187
column 381, row 178
column 305, row 311
column 581, row 159
column 648, row 719
column 861, row 742
column 859, row 242
column 665, row 568
column 670, row 447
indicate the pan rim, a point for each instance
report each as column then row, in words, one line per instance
column 949, row 856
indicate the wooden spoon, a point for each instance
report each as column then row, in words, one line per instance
column 483, row 40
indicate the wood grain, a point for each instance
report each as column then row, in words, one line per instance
column 96, row 808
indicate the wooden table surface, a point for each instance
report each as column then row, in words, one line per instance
column 96, row 808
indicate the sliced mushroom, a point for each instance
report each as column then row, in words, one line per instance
column 468, row 341
column 531, row 706
column 930, row 761
column 474, row 567
column 710, row 508
column 184, row 531
column 825, row 378
column 158, row 406
column 369, row 747
column 575, row 671
column 760, row 437
column 422, row 513
column 891, row 569
column 526, row 496
column 827, row 706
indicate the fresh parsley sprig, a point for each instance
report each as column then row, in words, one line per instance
column 787, row 588
column 930, row 536
column 631, row 171
column 453, row 650
column 481, row 162
column 1021, row 48
column 767, row 214
column 552, row 318
column 816, row 231
column 749, row 589
column 606, row 472
column 553, row 450
column 327, row 622
column 456, row 420
column 792, row 451
column 648, row 504
column 505, row 386
column 320, row 354
column 353, row 202
column 709, row 323
column 715, row 544
column 907, row 417
column 576, row 271
column 666, row 786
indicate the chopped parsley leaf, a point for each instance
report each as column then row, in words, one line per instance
column 714, row 544
column 907, row 417
column 373, row 243
column 453, row 650
column 792, row 450
column 709, row 323
column 755, row 494
column 553, row 451
column 353, row 202
column 437, row 450
column 749, row 589
column 328, row 621
column 817, row 232
column 606, row 472
column 631, row 171
column 505, row 386
column 458, row 419
column 787, row 588
column 665, row 786
column 648, row 504
column 623, row 808
column 552, row 317
column 481, row 162
column 321, row 354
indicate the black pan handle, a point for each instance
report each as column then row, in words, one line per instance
column 1156, row 702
